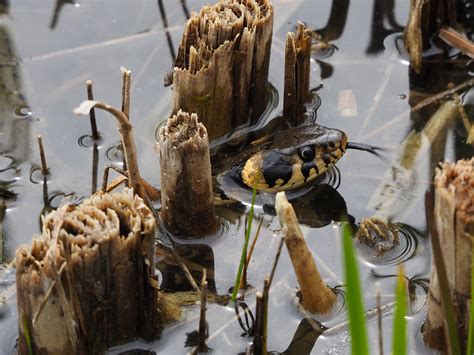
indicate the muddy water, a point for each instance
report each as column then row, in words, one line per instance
column 365, row 88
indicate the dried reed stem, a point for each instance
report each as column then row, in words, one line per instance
column 316, row 296
column 90, row 96
column 44, row 165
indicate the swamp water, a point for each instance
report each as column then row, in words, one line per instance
column 49, row 51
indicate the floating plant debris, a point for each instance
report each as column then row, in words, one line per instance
column 378, row 233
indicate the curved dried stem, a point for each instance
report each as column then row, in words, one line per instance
column 126, row 131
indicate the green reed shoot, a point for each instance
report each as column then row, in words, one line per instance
column 26, row 334
column 355, row 305
column 243, row 257
column 470, row 334
column 399, row 338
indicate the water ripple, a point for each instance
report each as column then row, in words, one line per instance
column 405, row 250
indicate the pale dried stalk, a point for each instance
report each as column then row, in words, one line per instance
column 457, row 40
column 317, row 297
column 126, row 131
column 90, row 96
column 44, row 165
column 202, row 316
column 126, row 83
column 413, row 36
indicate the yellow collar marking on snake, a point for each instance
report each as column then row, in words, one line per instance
column 289, row 159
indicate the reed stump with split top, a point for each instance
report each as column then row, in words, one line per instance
column 88, row 281
column 221, row 69
column 187, row 197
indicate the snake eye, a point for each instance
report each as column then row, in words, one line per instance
column 306, row 154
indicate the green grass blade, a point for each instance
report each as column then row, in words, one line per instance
column 355, row 304
column 470, row 334
column 26, row 334
column 243, row 257
column 399, row 338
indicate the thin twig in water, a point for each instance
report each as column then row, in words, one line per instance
column 259, row 315
column 266, row 295
column 203, row 333
column 105, row 179
column 126, row 79
column 90, row 96
column 385, row 310
column 243, row 279
column 441, row 95
column 95, row 164
column 275, row 263
column 431, row 100
column 44, row 166
column 254, row 241
column 3, row 208
column 176, row 255
column 379, row 317
column 153, row 193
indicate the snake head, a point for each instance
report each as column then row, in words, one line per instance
column 293, row 158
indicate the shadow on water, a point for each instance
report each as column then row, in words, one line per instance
column 319, row 207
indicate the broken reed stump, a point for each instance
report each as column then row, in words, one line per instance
column 424, row 21
column 316, row 296
column 88, row 282
column 454, row 223
column 221, row 69
column 187, row 198
column 297, row 74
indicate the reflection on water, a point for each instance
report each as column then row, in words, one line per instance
column 383, row 14
column 305, row 336
column 318, row 207
column 57, row 10
column 366, row 62
column 196, row 257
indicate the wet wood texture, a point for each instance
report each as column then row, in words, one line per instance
column 221, row 69
column 297, row 74
column 425, row 20
column 87, row 282
column 454, row 220
column 187, row 203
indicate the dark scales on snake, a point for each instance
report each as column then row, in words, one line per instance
column 284, row 160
